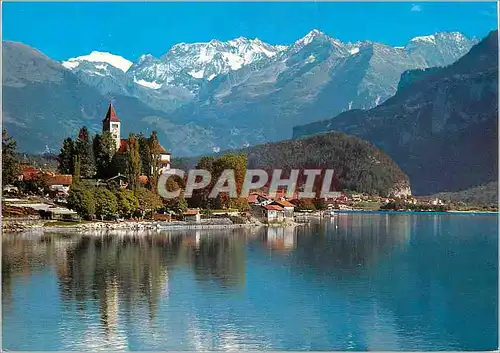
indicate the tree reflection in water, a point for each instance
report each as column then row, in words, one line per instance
column 129, row 270
column 358, row 276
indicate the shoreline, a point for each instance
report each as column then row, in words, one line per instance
column 415, row 212
column 40, row 226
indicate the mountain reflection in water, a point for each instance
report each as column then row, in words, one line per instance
column 347, row 282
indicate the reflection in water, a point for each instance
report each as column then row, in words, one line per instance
column 344, row 245
column 281, row 238
column 355, row 281
column 215, row 255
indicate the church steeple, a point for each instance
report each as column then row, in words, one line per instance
column 112, row 124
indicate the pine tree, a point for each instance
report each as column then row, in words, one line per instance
column 154, row 170
column 104, row 149
column 133, row 162
column 10, row 164
column 66, row 156
column 83, row 147
column 76, row 169
column 145, row 154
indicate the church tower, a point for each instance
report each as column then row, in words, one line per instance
column 112, row 124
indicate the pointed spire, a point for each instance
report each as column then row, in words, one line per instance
column 111, row 114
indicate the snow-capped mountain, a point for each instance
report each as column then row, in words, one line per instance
column 200, row 61
column 438, row 47
column 441, row 126
column 100, row 59
column 243, row 91
column 191, row 65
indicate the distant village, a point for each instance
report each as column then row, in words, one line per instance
column 121, row 185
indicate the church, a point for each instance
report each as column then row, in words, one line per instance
column 112, row 124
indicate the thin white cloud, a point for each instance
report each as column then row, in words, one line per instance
column 416, row 8
column 491, row 13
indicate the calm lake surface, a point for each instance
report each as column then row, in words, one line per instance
column 352, row 282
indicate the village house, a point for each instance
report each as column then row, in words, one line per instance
column 268, row 213
column 60, row 182
column 119, row 180
column 192, row 215
column 258, row 198
column 288, row 208
column 27, row 172
column 436, row 202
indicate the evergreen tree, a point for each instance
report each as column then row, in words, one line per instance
column 145, row 154
column 76, row 169
column 154, row 170
column 10, row 164
column 104, row 150
column 66, row 157
column 83, row 147
column 133, row 162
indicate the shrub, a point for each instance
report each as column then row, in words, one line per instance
column 81, row 200
column 106, row 205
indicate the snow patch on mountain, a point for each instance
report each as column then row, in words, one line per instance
column 196, row 74
column 147, row 84
column 70, row 64
column 309, row 37
column 99, row 57
column 428, row 39
column 186, row 63
column 354, row 50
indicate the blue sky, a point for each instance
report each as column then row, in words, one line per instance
column 64, row 30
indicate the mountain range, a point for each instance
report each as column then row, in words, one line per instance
column 441, row 127
column 204, row 97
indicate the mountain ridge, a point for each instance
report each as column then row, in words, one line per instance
column 261, row 101
column 441, row 128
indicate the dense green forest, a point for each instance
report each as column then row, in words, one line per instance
column 483, row 195
column 358, row 165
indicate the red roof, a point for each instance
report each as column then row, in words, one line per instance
column 191, row 212
column 111, row 114
column 60, row 179
column 123, row 146
column 28, row 173
column 273, row 207
column 283, row 193
column 252, row 198
column 284, row 203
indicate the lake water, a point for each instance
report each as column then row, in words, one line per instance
column 352, row 282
